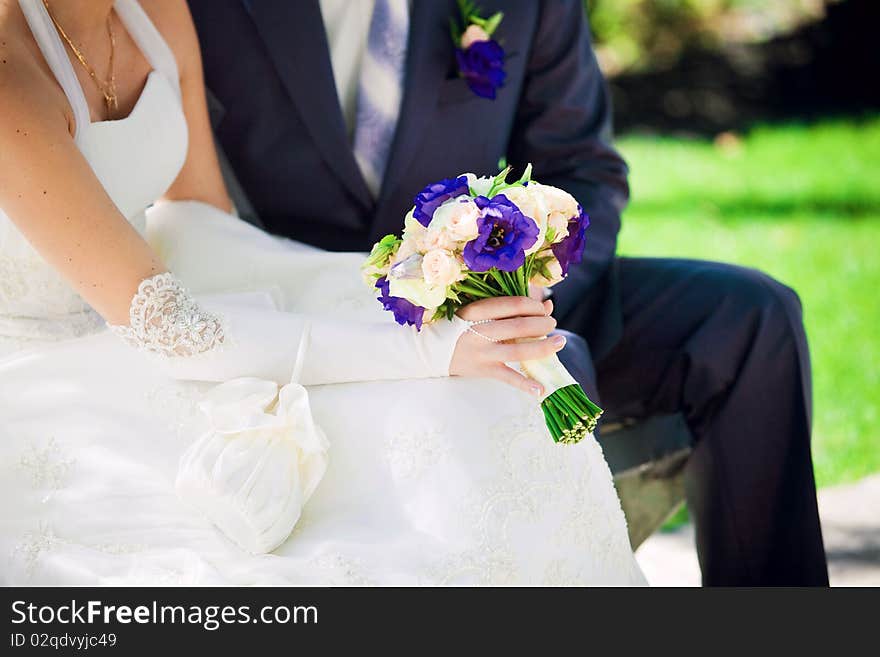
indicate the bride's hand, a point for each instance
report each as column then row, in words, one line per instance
column 484, row 354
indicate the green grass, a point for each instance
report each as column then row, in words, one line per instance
column 803, row 204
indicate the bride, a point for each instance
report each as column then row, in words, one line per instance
column 426, row 469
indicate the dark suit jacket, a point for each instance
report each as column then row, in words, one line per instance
column 278, row 120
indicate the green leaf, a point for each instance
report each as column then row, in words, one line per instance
column 501, row 177
column 499, row 181
column 382, row 251
column 468, row 9
column 542, row 267
column 492, row 23
column 455, row 31
column 527, row 175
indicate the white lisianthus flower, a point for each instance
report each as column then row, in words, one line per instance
column 441, row 268
column 530, row 202
column 458, row 218
column 417, row 291
column 479, row 186
column 411, row 226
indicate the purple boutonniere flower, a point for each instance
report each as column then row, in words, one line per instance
column 435, row 194
column 405, row 312
column 480, row 58
column 505, row 234
column 482, row 67
column 571, row 249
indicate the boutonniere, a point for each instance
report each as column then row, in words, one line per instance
column 480, row 58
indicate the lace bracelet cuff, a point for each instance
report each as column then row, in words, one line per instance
column 164, row 319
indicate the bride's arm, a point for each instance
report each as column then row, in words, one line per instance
column 49, row 190
column 51, row 193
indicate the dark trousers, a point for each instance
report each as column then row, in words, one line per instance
column 726, row 347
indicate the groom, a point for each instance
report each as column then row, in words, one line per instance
column 335, row 113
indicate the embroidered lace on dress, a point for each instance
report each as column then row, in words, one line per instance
column 164, row 319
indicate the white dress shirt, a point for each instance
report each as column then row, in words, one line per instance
column 347, row 23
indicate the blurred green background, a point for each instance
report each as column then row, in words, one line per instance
column 752, row 129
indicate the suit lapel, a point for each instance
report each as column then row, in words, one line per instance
column 297, row 44
column 429, row 55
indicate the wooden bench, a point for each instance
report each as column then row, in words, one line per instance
column 647, row 458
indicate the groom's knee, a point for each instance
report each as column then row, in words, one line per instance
column 756, row 336
column 756, row 301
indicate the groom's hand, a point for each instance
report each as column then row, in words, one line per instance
column 510, row 333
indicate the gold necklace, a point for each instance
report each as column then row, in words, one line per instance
column 108, row 87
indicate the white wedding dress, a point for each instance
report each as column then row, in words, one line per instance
column 429, row 480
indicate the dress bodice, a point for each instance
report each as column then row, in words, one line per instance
column 135, row 158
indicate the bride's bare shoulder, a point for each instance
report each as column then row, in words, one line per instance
column 26, row 82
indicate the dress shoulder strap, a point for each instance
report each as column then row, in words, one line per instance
column 149, row 40
column 55, row 54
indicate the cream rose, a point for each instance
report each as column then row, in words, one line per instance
column 473, row 34
column 458, row 217
column 436, row 238
column 440, row 268
column 557, row 200
column 407, row 248
column 561, row 207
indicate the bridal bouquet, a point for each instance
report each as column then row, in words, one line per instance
column 470, row 238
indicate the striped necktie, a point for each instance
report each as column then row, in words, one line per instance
column 380, row 89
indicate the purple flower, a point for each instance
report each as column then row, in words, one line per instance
column 434, row 195
column 482, row 66
column 571, row 249
column 405, row 312
column 505, row 234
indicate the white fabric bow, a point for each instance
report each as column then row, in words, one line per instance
column 254, row 470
